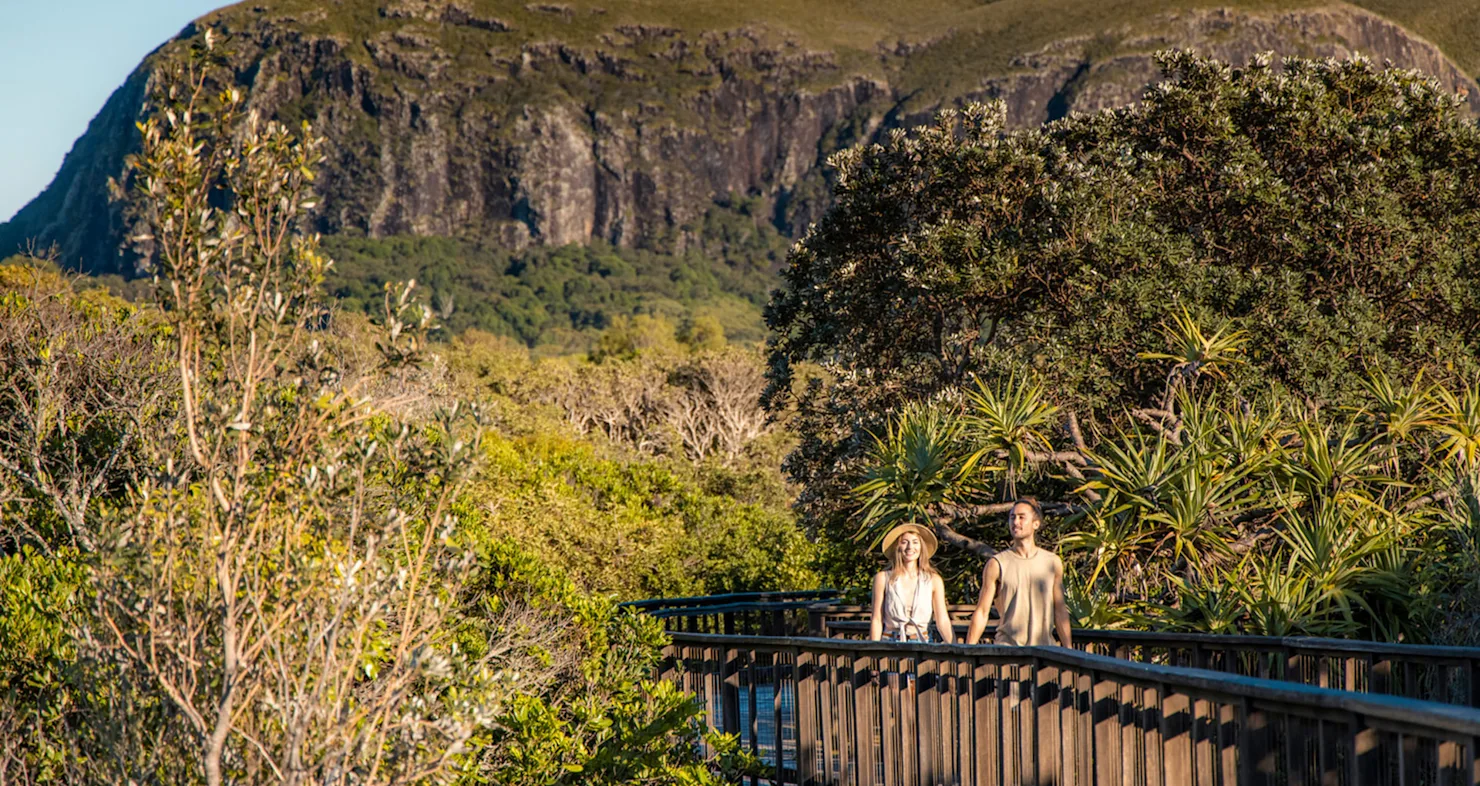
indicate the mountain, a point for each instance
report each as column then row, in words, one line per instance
column 640, row 125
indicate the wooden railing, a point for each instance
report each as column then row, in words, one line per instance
column 744, row 613
column 830, row 711
column 1431, row 673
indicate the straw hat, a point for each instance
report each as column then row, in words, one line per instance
column 928, row 542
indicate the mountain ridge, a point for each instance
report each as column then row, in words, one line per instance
column 473, row 118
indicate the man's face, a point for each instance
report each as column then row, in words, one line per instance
column 1021, row 522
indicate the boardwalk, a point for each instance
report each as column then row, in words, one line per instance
column 781, row 672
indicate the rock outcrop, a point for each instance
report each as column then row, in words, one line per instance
column 631, row 138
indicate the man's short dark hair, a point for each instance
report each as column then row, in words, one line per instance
column 1031, row 502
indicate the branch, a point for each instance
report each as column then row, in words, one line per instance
column 1428, row 499
column 951, row 537
column 1076, row 435
column 1157, row 420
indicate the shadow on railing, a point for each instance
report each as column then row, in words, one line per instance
column 830, row 711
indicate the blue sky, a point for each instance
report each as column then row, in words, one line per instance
column 59, row 61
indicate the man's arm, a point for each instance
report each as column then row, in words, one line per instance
column 1060, row 605
column 991, row 574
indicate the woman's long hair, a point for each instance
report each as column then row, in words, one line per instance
column 896, row 559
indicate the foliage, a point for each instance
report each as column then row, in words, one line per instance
column 1328, row 208
column 603, row 719
column 559, row 300
column 84, row 375
column 637, row 528
column 1224, row 515
column 40, row 597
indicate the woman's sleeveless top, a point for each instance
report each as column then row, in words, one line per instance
column 912, row 620
column 1025, row 598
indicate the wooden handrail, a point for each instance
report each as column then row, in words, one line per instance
column 1435, row 673
column 701, row 601
column 832, row 711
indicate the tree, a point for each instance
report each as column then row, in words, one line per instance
column 83, row 378
column 272, row 598
column 1330, row 207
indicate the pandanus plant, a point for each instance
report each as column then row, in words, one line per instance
column 1206, row 511
column 1009, row 422
column 922, row 459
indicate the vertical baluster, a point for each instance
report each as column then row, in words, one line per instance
column 842, row 682
column 778, row 706
column 752, row 701
column 1204, row 742
column 1227, row 736
column 865, row 719
column 1010, row 691
column 965, row 728
column 827, row 714
column 987, row 729
column 926, row 716
column 889, row 721
column 1130, row 735
column 1149, row 736
column 1177, row 727
column 1048, row 752
column 1106, row 711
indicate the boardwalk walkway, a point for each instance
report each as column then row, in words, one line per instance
column 781, row 672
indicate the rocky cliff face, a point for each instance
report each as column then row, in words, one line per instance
column 629, row 139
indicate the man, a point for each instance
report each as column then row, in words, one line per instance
column 1027, row 585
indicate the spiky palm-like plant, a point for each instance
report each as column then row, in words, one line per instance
column 1009, row 420
column 1459, row 424
column 1195, row 352
column 922, row 459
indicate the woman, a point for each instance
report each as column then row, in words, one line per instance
column 910, row 591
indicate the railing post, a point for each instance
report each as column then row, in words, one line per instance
column 889, row 721
column 730, row 692
column 1106, row 713
column 827, row 710
column 865, row 712
column 778, row 737
column 1047, row 752
column 806, row 699
column 987, row 731
column 1256, row 754
column 1177, row 726
column 753, row 704
column 965, row 730
column 926, row 709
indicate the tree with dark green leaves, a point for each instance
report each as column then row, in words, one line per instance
column 1330, row 209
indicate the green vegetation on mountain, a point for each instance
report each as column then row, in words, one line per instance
column 560, row 299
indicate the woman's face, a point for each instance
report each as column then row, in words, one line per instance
column 909, row 546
